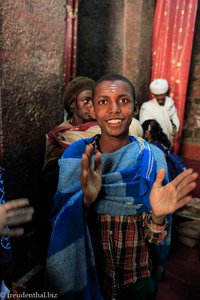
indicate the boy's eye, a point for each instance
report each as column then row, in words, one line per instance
column 123, row 100
column 103, row 101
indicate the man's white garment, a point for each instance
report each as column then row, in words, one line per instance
column 163, row 114
column 135, row 128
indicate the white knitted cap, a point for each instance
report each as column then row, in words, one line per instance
column 159, row 86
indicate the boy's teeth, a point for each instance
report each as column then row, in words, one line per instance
column 114, row 121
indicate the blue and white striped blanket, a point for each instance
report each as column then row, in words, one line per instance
column 127, row 178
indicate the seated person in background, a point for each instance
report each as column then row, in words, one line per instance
column 113, row 182
column 154, row 134
column 77, row 100
column 161, row 108
column 135, row 128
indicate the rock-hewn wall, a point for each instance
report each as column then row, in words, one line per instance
column 190, row 146
column 32, row 48
column 191, row 129
column 115, row 36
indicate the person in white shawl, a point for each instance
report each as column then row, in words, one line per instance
column 161, row 108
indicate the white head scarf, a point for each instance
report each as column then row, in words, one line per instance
column 159, row 86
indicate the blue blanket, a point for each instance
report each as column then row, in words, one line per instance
column 127, row 178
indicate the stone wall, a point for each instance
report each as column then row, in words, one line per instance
column 190, row 142
column 115, row 36
column 191, row 129
column 32, row 47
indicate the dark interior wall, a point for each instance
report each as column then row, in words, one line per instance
column 190, row 146
column 32, row 50
column 115, row 36
column 191, row 128
column 143, row 60
column 93, row 27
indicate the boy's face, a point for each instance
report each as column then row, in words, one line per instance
column 113, row 107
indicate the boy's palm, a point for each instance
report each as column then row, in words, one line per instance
column 167, row 199
column 91, row 179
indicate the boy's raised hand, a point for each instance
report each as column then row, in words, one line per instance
column 90, row 176
column 167, row 199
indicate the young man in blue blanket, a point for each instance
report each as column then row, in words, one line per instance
column 118, row 185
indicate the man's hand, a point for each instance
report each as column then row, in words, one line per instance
column 14, row 213
column 167, row 199
column 90, row 176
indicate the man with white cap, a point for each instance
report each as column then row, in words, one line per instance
column 161, row 108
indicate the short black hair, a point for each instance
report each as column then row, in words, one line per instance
column 114, row 77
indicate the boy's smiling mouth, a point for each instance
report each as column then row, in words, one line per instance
column 114, row 121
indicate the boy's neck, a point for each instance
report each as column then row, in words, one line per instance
column 111, row 144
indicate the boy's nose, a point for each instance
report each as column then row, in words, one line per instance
column 114, row 107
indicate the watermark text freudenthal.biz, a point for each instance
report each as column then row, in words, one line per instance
column 35, row 295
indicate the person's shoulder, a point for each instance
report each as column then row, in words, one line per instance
column 76, row 149
column 135, row 128
column 65, row 124
column 158, row 154
column 147, row 103
column 156, row 150
column 135, row 121
column 169, row 100
column 160, row 159
column 59, row 128
column 140, row 143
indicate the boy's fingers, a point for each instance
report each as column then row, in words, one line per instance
column 98, row 162
column 186, row 190
column 183, row 202
column 190, row 179
column 159, row 178
column 86, row 158
column 88, row 152
column 185, row 177
column 84, row 162
column 84, row 178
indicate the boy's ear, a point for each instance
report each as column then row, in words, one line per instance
column 92, row 112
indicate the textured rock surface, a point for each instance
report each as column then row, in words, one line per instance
column 115, row 36
column 32, row 48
